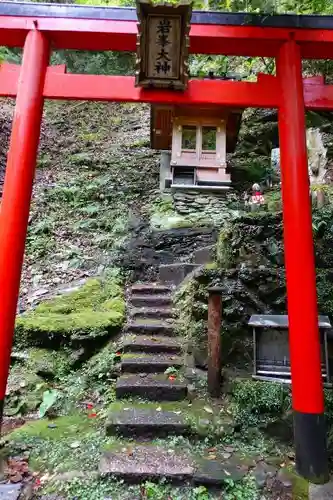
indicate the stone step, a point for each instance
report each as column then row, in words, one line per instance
column 151, row 326
column 151, row 300
column 141, row 462
column 175, row 273
column 156, row 363
column 149, row 312
column 154, row 387
column 151, row 343
column 146, row 422
column 150, row 289
column 204, row 255
column 135, row 463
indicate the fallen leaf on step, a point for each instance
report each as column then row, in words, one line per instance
column 159, row 409
column 177, row 412
column 208, row 410
column 226, row 472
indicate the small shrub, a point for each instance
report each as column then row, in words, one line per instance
column 255, row 402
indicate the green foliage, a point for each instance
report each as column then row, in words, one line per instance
column 49, row 399
column 96, row 63
column 274, row 201
column 224, row 252
column 258, row 402
column 242, row 490
column 171, row 370
column 100, row 366
column 94, row 310
column 24, row 391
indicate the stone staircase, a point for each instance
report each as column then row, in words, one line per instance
column 149, row 347
column 151, row 404
column 154, row 408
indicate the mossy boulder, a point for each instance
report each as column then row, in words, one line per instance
column 48, row 364
column 24, row 391
column 94, row 311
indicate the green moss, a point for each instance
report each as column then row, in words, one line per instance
column 53, row 363
column 64, row 427
column 24, row 390
column 71, row 443
column 94, row 310
column 224, row 253
column 116, row 305
column 211, row 266
column 163, row 215
column 300, row 486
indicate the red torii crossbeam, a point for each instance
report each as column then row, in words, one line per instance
column 265, row 93
column 288, row 39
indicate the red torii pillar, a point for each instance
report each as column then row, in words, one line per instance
column 17, row 190
column 306, row 377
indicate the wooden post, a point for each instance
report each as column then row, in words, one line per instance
column 214, row 341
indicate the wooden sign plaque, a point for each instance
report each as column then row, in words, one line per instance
column 162, row 45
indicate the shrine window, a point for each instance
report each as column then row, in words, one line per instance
column 189, row 138
column 208, row 139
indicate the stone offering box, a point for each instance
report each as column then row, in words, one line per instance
column 271, row 347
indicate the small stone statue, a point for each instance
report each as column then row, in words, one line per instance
column 275, row 161
column 257, row 199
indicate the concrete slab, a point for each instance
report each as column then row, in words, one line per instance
column 146, row 462
column 175, row 273
column 321, row 491
column 10, row 491
column 146, row 422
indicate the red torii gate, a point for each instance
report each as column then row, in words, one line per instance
column 288, row 39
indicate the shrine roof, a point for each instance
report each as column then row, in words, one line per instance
column 281, row 321
column 30, row 9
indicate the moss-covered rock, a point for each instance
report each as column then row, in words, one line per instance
column 70, row 443
column 48, row 364
column 95, row 310
column 24, row 391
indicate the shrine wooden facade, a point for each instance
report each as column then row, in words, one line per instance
column 198, row 140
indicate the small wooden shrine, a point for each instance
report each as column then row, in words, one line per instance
column 198, row 140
